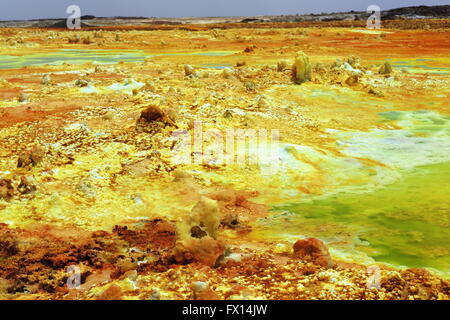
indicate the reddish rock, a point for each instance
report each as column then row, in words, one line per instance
column 206, row 251
column 97, row 278
column 202, row 291
column 31, row 157
column 156, row 234
column 8, row 245
column 207, row 294
column 235, row 290
column 27, row 185
column 6, row 189
column 313, row 250
column 155, row 114
column 114, row 292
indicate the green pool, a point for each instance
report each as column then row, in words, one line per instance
column 87, row 55
column 402, row 223
column 406, row 223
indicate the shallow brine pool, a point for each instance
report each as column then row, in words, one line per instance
column 71, row 56
column 404, row 222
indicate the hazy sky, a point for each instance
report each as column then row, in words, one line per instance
column 30, row 9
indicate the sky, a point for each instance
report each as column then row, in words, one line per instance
column 38, row 9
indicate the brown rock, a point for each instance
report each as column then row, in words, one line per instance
column 202, row 291
column 156, row 234
column 208, row 294
column 6, row 189
column 75, row 39
column 96, row 278
column 189, row 70
column 155, row 114
column 31, row 157
column 386, row 68
column 206, row 251
column 27, row 185
column 313, row 250
column 8, row 246
column 114, row 292
column 87, row 40
column 352, row 80
column 392, row 280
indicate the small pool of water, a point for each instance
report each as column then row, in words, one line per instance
column 431, row 66
column 216, row 66
column 405, row 222
column 87, row 55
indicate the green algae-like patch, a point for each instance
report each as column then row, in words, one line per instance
column 82, row 56
column 422, row 65
column 406, row 223
column 72, row 57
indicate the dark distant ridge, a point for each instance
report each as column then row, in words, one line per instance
column 419, row 11
column 416, row 12
column 63, row 24
column 413, row 12
column 87, row 17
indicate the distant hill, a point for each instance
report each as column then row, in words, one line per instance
column 418, row 12
column 63, row 24
column 413, row 13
